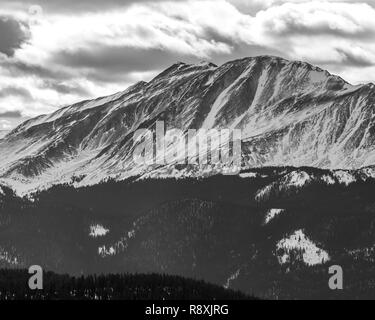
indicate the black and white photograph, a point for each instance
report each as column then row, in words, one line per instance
column 201, row 151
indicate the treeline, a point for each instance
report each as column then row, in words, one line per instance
column 14, row 286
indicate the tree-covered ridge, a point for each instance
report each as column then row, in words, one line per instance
column 231, row 231
column 14, row 286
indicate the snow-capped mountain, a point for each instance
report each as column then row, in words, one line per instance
column 290, row 113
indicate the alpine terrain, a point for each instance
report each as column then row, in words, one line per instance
column 73, row 200
column 290, row 113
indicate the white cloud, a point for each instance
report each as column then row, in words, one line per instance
column 300, row 28
column 5, row 124
column 334, row 35
column 337, row 35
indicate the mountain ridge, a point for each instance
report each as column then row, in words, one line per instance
column 359, row 86
column 289, row 112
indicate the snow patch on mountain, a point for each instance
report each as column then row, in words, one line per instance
column 299, row 244
column 105, row 251
column 8, row 258
column 271, row 214
column 97, row 231
column 131, row 234
column 296, row 179
column 344, row 177
column 293, row 180
column 232, row 277
column 119, row 246
column 327, row 179
column 264, row 193
column 248, row 175
column 367, row 173
column 367, row 254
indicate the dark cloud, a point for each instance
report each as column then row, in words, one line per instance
column 249, row 6
column 15, row 92
column 292, row 27
column 13, row 34
column 238, row 49
column 65, row 88
column 11, row 114
column 354, row 60
column 77, row 6
column 111, row 64
column 215, row 35
column 17, row 68
column 347, row 59
column 242, row 50
column 117, row 59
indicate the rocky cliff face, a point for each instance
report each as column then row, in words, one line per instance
column 290, row 113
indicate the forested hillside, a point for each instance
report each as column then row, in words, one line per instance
column 271, row 232
column 14, row 286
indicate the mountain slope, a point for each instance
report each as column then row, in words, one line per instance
column 290, row 113
column 217, row 229
column 111, row 287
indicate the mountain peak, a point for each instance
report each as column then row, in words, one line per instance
column 289, row 113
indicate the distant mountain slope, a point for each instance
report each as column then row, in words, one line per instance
column 290, row 113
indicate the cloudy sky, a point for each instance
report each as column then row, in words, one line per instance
column 55, row 52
